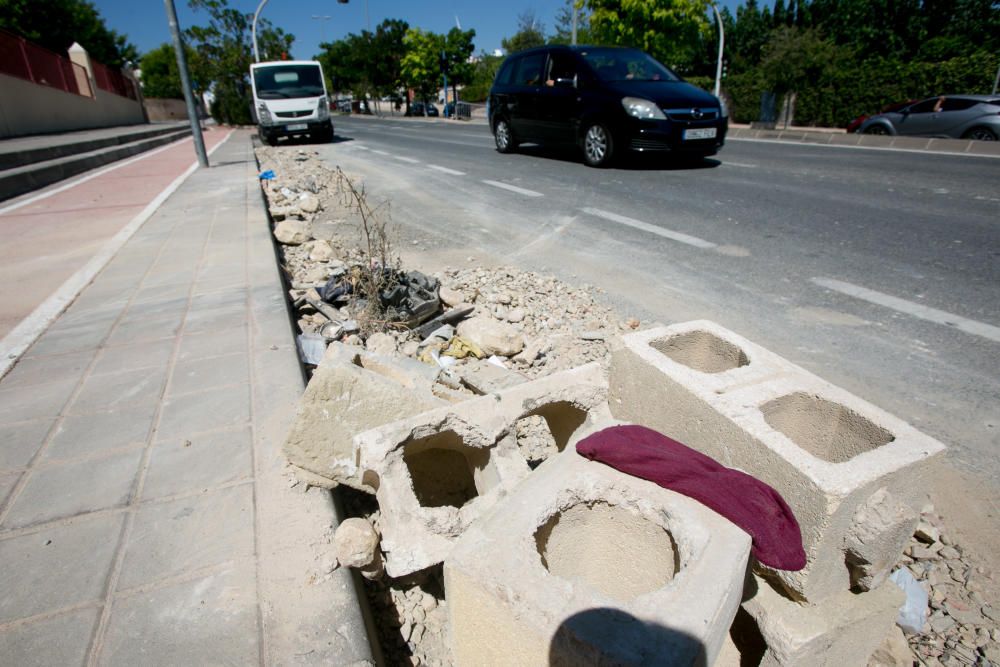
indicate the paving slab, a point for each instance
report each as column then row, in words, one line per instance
column 146, row 516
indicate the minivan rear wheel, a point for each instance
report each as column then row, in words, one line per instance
column 598, row 146
column 504, row 137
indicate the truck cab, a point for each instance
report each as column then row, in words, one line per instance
column 290, row 99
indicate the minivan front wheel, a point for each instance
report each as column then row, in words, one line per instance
column 598, row 146
column 504, row 137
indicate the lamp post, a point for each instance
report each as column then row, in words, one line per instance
column 324, row 19
column 722, row 42
column 182, row 69
column 256, row 15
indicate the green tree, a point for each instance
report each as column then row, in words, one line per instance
column 530, row 33
column 159, row 73
column 224, row 52
column 484, row 70
column 420, row 66
column 56, row 24
column 564, row 25
column 669, row 30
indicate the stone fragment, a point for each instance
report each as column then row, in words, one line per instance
column 321, row 251
column 291, row 232
column 882, row 528
column 355, row 543
column 450, row 297
column 492, row 336
column 893, row 652
column 515, row 315
column 483, row 377
column 343, row 398
column 927, row 533
column 844, row 629
column 381, row 343
column 308, row 203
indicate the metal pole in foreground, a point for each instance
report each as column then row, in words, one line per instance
column 182, row 67
column 996, row 81
column 575, row 14
column 722, row 43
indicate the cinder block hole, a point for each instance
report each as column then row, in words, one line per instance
column 825, row 429
column 445, row 471
column 701, row 351
column 545, row 431
column 609, row 548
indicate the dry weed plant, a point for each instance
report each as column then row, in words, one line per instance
column 380, row 265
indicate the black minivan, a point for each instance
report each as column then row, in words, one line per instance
column 606, row 100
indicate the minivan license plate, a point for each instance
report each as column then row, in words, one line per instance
column 304, row 126
column 703, row 133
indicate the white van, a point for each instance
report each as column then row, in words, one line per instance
column 289, row 98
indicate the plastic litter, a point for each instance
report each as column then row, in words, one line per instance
column 266, row 175
column 443, row 362
column 411, row 297
column 312, row 348
column 496, row 361
column 913, row 613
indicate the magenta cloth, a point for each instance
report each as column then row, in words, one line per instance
column 748, row 502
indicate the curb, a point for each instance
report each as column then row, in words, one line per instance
column 914, row 144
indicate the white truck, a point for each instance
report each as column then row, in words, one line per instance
column 290, row 99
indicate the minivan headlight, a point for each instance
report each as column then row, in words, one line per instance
column 640, row 108
column 323, row 110
column 263, row 115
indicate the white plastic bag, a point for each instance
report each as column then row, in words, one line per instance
column 913, row 613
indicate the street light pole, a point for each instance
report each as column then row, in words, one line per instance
column 253, row 30
column 324, row 19
column 182, row 68
column 722, row 42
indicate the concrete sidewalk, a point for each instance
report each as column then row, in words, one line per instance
column 145, row 515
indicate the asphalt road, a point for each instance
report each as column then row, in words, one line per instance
column 878, row 270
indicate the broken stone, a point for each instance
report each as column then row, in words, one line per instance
column 482, row 377
column 491, row 336
column 927, row 533
column 893, row 652
column 515, row 315
column 381, row 343
column 321, row 251
column 356, row 543
column 882, row 528
column 308, row 203
column 450, row 297
column 291, row 232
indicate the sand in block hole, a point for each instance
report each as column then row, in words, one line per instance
column 701, row 351
column 444, row 471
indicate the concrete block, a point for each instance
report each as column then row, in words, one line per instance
column 436, row 473
column 827, row 452
column 585, row 565
column 351, row 391
column 844, row 629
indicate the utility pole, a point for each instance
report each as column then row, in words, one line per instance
column 576, row 12
column 182, row 67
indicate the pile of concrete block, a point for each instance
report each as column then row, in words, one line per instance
column 852, row 474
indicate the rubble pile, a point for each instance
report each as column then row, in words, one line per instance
column 964, row 626
column 449, row 404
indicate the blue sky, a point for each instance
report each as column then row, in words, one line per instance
column 145, row 22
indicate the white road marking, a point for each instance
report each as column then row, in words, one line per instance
column 910, row 308
column 20, row 338
column 863, row 148
column 446, row 170
column 514, row 188
column 406, row 159
column 84, row 179
column 739, row 164
column 360, row 147
column 652, row 229
column 380, row 152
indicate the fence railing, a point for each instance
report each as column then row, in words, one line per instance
column 113, row 81
column 25, row 60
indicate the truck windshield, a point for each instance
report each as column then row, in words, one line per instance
column 288, row 81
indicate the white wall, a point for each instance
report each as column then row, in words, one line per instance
column 28, row 108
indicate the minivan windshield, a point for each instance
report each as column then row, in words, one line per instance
column 288, row 81
column 626, row 65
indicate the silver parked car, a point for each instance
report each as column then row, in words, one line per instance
column 955, row 116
